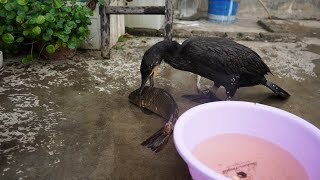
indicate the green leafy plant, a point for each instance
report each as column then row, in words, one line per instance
column 102, row 2
column 121, row 41
column 49, row 23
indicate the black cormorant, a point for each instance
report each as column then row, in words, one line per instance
column 225, row 62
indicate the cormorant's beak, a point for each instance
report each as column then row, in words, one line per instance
column 148, row 77
column 153, row 73
column 144, row 82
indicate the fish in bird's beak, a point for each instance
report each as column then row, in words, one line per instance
column 148, row 76
column 151, row 59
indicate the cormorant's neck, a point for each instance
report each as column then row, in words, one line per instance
column 169, row 51
column 168, row 48
column 172, row 56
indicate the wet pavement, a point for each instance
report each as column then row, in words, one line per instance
column 71, row 119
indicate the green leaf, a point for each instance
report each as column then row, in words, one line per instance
column 26, row 32
column 91, row 13
column 49, row 31
column 82, row 30
column 44, row 7
column 63, row 14
column 26, row 59
column 56, row 33
column 66, row 8
column 71, row 24
column 51, row 49
column 3, row 13
column 21, row 12
column 88, row 21
column 3, row 1
column 32, row 21
column 9, row 6
column 20, row 39
column 58, row 44
column 40, row 19
column 46, row 37
column 22, row 2
column 72, row 45
column 77, row 15
column 10, row 28
column 25, row 8
column 24, row 25
column 59, row 24
column 67, row 31
column 50, row 17
column 64, row 44
column 102, row 2
column 122, row 38
column 118, row 47
column 11, row 15
column 19, row 19
column 52, row 11
column 64, row 37
column 8, row 38
column 73, row 2
column 36, row 30
column 57, row 3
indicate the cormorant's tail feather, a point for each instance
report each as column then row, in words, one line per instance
column 157, row 141
column 276, row 89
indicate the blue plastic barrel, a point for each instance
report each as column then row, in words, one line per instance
column 222, row 11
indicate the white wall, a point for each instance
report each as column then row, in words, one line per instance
column 94, row 39
column 117, row 28
column 145, row 21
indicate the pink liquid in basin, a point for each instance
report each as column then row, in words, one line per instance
column 239, row 156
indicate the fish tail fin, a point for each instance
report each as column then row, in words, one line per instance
column 276, row 89
column 158, row 140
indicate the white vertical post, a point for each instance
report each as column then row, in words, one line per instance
column 230, row 10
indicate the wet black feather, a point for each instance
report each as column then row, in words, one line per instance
column 223, row 61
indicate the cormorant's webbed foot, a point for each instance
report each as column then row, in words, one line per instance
column 203, row 97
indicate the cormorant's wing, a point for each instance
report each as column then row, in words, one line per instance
column 222, row 55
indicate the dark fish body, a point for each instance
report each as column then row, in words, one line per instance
column 156, row 100
column 161, row 103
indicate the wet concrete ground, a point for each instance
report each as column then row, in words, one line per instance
column 243, row 29
column 71, row 119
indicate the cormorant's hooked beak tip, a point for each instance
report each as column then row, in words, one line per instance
column 143, row 84
column 145, row 79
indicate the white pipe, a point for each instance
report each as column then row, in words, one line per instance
column 230, row 9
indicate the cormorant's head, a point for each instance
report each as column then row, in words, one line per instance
column 152, row 59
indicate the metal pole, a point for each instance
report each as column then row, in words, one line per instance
column 168, row 20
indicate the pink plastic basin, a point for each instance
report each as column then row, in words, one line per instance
column 292, row 133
